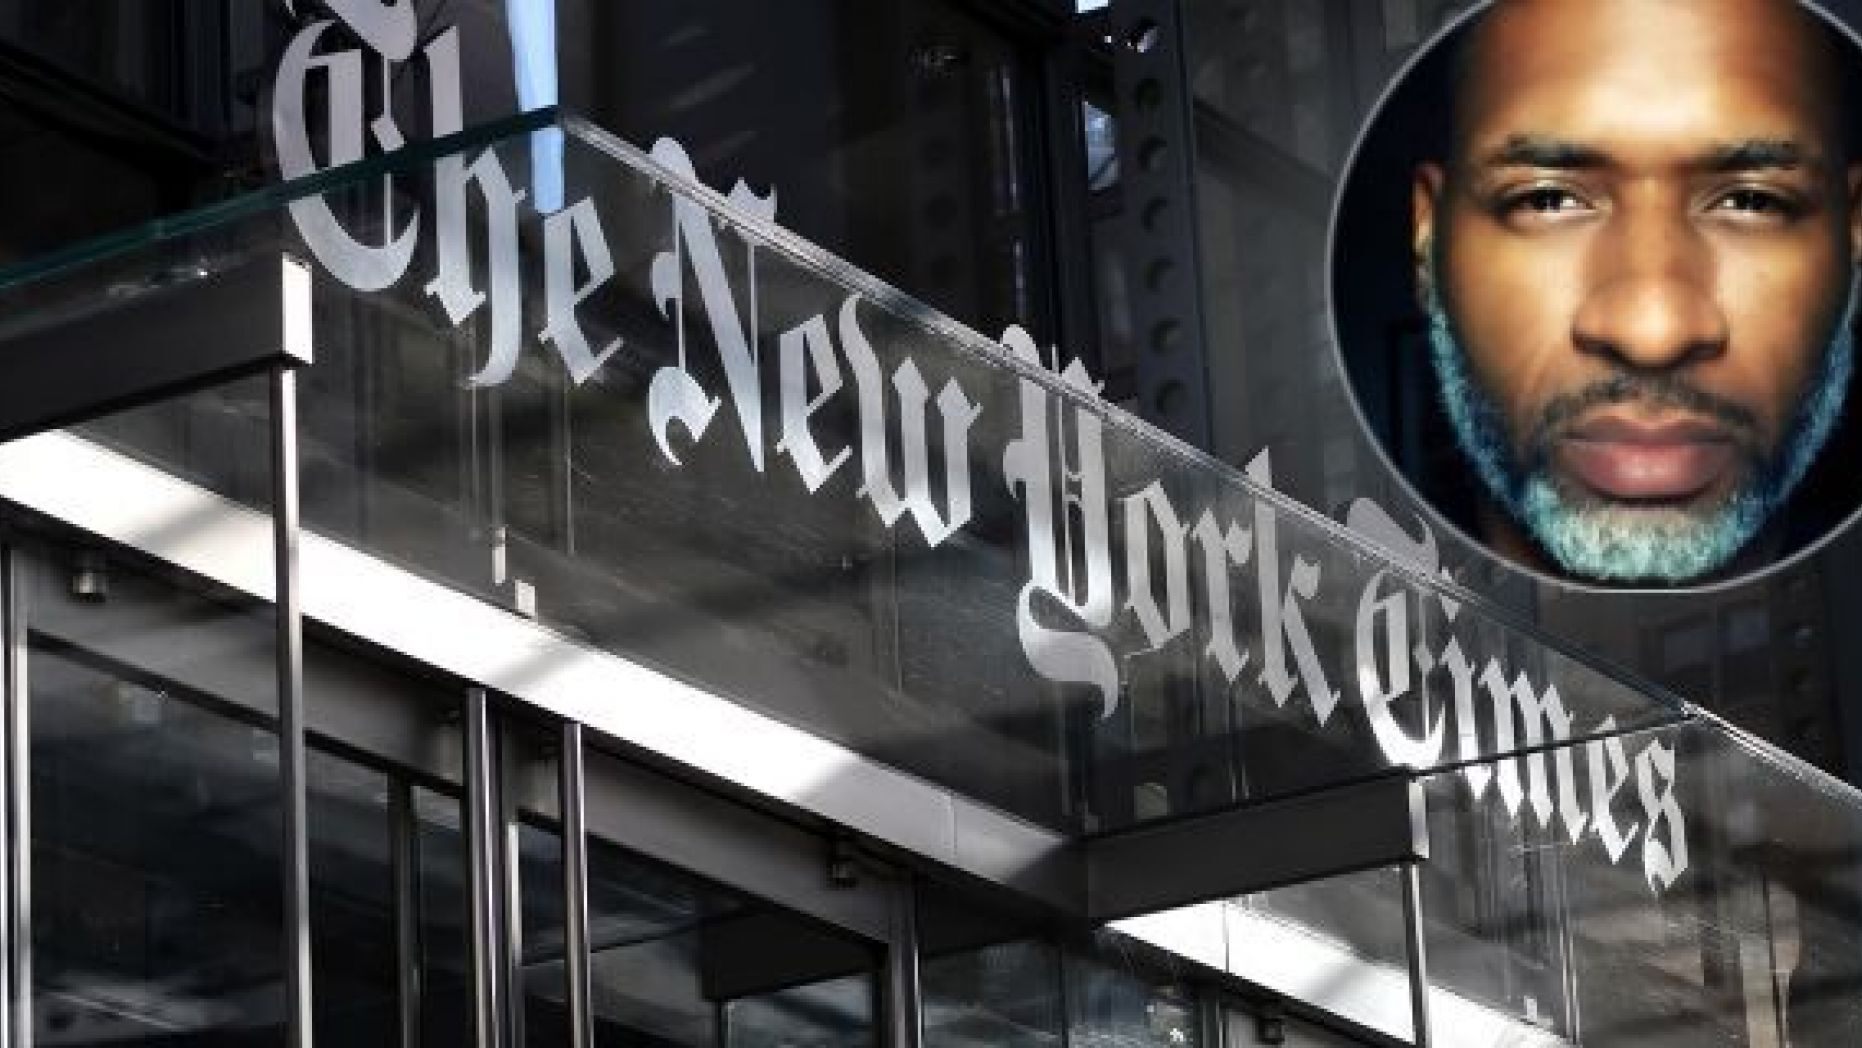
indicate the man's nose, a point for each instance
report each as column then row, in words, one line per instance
column 1654, row 309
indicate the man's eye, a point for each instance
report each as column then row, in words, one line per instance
column 1758, row 202
column 1546, row 200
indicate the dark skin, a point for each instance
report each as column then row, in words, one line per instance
column 1651, row 188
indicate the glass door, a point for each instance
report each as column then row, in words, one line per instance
column 156, row 843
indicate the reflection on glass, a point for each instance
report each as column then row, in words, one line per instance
column 680, row 963
column 352, row 905
column 1733, row 916
column 1487, row 883
column 1101, row 133
column 856, row 594
column 541, row 972
column 1361, row 911
column 1005, row 995
column 1110, row 1008
column 530, row 774
column 445, row 954
column 644, row 928
column 215, row 438
column 155, row 862
column 833, row 1014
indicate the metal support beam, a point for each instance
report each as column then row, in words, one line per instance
column 1365, row 826
column 1158, row 227
column 483, row 837
column 1416, row 940
column 575, row 887
column 904, row 1003
column 16, row 736
column 287, row 611
column 129, row 344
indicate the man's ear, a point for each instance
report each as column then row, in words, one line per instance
column 1425, row 199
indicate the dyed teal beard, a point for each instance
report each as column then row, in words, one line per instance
column 1624, row 544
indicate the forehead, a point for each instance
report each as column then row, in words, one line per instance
column 1648, row 73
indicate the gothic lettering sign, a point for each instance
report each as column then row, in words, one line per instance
column 1103, row 565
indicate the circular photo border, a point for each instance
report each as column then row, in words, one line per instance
column 1380, row 333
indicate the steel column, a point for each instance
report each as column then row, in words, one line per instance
column 16, row 733
column 483, row 834
column 287, row 610
column 575, row 887
column 903, row 993
column 1417, row 942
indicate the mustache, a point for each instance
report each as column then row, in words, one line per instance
column 1652, row 391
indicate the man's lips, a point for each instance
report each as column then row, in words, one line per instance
column 1667, row 458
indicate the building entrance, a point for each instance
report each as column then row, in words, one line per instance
column 152, row 850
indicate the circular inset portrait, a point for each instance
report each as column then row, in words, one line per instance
column 1594, row 269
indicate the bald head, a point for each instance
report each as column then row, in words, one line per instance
column 1517, row 46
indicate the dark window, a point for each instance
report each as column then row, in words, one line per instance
column 897, row 135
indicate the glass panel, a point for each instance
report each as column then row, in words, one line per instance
column 155, row 889
column 1732, row 920
column 827, row 592
column 530, row 771
column 155, row 818
column 644, row 925
column 445, row 951
column 833, row 1014
column 541, row 971
column 677, row 961
column 1679, row 884
column 352, row 905
column 1110, row 1008
column 796, row 487
column 155, row 856
column 1006, row 995
column 1362, row 912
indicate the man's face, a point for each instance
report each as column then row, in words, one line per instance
column 1638, row 262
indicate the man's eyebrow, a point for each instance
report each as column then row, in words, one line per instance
column 1758, row 154
column 1543, row 151
column 1751, row 154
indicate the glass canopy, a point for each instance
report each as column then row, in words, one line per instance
column 556, row 373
